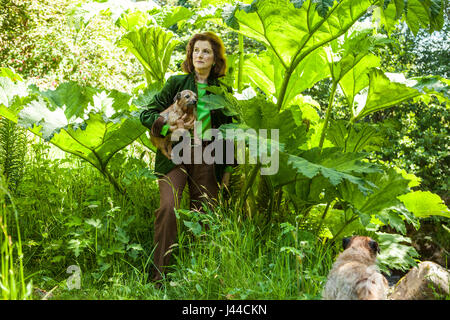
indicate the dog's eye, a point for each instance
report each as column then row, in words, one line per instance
column 187, row 96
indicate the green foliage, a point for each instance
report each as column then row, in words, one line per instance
column 13, row 146
column 424, row 204
column 394, row 254
column 47, row 49
column 105, row 236
column 13, row 284
column 60, row 204
column 327, row 185
column 93, row 124
column 418, row 131
column 417, row 14
column 153, row 48
column 334, row 166
column 281, row 263
column 275, row 24
column 295, row 49
column 390, row 185
column 359, row 137
column 420, row 143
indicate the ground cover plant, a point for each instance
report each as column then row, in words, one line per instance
column 78, row 187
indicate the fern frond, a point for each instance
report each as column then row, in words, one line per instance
column 13, row 146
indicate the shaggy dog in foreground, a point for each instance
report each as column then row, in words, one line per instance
column 180, row 115
column 354, row 275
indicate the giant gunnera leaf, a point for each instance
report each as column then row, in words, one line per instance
column 293, row 30
column 424, row 204
column 418, row 14
column 153, row 47
column 90, row 123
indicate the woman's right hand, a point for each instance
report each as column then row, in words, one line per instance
column 180, row 124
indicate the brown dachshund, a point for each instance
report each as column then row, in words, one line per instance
column 180, row 115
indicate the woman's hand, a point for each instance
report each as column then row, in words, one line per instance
column 180, row 124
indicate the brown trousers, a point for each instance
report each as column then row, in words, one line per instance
column 202, row 186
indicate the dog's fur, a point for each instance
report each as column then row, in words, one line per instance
column 354, row 275
column 180, row 116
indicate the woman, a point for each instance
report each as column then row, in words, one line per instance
column 205, row 63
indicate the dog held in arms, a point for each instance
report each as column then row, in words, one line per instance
column 180, row 115
column 354, row 275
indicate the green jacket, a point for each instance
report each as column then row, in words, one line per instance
column 164, row 99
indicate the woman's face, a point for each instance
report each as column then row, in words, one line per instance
column 202, row 55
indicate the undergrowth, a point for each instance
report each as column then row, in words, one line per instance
column 71, row 216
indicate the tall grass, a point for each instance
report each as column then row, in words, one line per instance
column 70, row 215
column 12, row 279
column 232, row 258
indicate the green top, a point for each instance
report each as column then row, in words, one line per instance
column 203, row 113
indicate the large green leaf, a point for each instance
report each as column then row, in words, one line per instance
column 389, row 185
column 425, row 204
column 292, row 31
column 10, row 90
column 95, row 132
column 174, row 16
column 164, row 17
column 394, row 254
column 416, row 15
column 112, row 8
column 433, row 86
column 382, row 94
column 425, row 14
column 357, row 60
column 153, row 47
column 355, row 138
column 132, row 21
column 356, row 79
column 258, row 113
column 259, row 71
column 266, row 72
column 73, row 98
column 310, row 70
column 336, row 167
column 387, row 90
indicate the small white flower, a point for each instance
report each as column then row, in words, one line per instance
column 246, row 94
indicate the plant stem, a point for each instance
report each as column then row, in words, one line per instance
column 287, row 76
column 344, row 226
column 302, row 54
column 327, row 116
column 322, row 219
column 241, row 61
column 116, row 184
column 248, row 184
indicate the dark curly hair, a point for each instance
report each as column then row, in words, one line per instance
column 220, row 61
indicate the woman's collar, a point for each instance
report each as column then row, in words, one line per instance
column 210, row 81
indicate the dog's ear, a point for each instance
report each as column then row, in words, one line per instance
column 346, row 242
column 177, row 97
column 374, row 246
